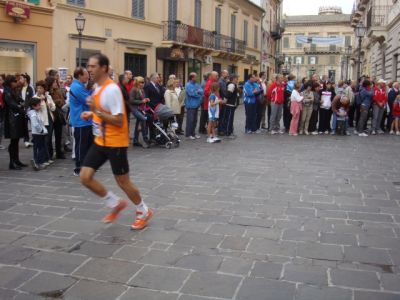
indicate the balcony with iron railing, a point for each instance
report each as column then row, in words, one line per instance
column 178, row 32
column 313, row 49
column 377, row 15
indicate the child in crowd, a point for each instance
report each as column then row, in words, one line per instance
column 39, row 132
column 213, row 113
column 306, row 113
column 396, row 116
column 325, row 111
column 296, row 107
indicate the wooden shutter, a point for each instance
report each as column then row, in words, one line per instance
column 197, row 13
column 172, row 10
column 233, row 26
column 218, row 20
column 245, row 31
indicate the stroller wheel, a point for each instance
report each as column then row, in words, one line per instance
column 168, row 145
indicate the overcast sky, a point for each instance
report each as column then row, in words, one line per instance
column 310, row 7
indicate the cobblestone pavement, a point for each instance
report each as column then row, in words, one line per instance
column 259, row 217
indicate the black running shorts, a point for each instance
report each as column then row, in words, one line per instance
column 98, row 155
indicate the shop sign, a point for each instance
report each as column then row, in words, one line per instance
column 18, row 10
column 12, row 48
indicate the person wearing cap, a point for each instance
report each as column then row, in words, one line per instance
column 379, row 101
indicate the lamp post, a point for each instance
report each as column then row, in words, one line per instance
column 80, row 26
column 360, row 32
column 348, row 51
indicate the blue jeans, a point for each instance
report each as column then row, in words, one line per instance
column 191, row 121
column 141, row 120
column 251, row 116
column 40, row 153
column 334, row 121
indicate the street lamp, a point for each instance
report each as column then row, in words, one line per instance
column 360, row 33
column 348, row 52
column 80, row 26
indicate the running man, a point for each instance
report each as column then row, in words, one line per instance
column 110, row 130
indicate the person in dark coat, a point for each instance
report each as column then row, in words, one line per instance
column 154, row 91
column 14, row 120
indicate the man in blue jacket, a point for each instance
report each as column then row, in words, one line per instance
column 251, row 91
column 193, row 100
column 82, row 128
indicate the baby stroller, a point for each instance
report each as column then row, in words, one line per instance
column 165, row 126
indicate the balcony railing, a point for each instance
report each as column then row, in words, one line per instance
column 377, row 15
column 187, row 34
column 323, row 50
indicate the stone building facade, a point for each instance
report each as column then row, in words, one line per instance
column 272, row 31
column 304, row 60
column 169, row 36
column 381, row 46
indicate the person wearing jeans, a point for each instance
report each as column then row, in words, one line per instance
column 251, row 91
column 379, row 102
column 276, row 95
column 193, row 100
column 366, row 94
column 232, row 96
column 82, row 128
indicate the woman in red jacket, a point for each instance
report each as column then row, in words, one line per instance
column 379, row 102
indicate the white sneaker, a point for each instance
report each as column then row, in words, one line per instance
column 50, row 161
column 391, row 132
column 210, row 140
column 362, row 134
column 174, row 125
column 191, row 137
column 348, row 133
column 216, row 139
column 314, row 133
column 197, row 137
column 333, row 133
column 355, row 131
column 27, row 144
column 46, row 164
column 301, row 132
column 380, row 131
column 306, row 132
column 398, row 133
column 281, row 131
column 373, row 132
column 257, row 131
column 326, row 132
column 274, row 132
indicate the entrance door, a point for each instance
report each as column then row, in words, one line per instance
column 174, row 67
column 217, row 67
column 136, row 63
column 332, row 75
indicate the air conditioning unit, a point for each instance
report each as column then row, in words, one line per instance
column 208, row 59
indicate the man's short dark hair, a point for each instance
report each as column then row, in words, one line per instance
column 79, row 71
column 366, row 83
column 102, row 60
column 261, row 74
column 34, row 101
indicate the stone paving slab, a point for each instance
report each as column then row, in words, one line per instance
column 258, row 217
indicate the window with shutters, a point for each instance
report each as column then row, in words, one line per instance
column 255, row 36
column 76, row 2
column 218, row 20
column 312, row 60
column 233, row 26
column 245, row 31
column 172, row 10
column 299, row 60
column 138, row 9
column 347, row 41
column 197, row 13
column 299, row 45
column 286, row 42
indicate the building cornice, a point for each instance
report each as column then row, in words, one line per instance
column 88, row 37
column 107, row 15
column 134, row 43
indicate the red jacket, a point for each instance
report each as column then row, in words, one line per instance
column 207, row 92
column 1, row 100
column 380, row 96
column 129, row 86
column 276, row 93
column 396, row 109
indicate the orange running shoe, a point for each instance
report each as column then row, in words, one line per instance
column 113, row 215
column 141, row 222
